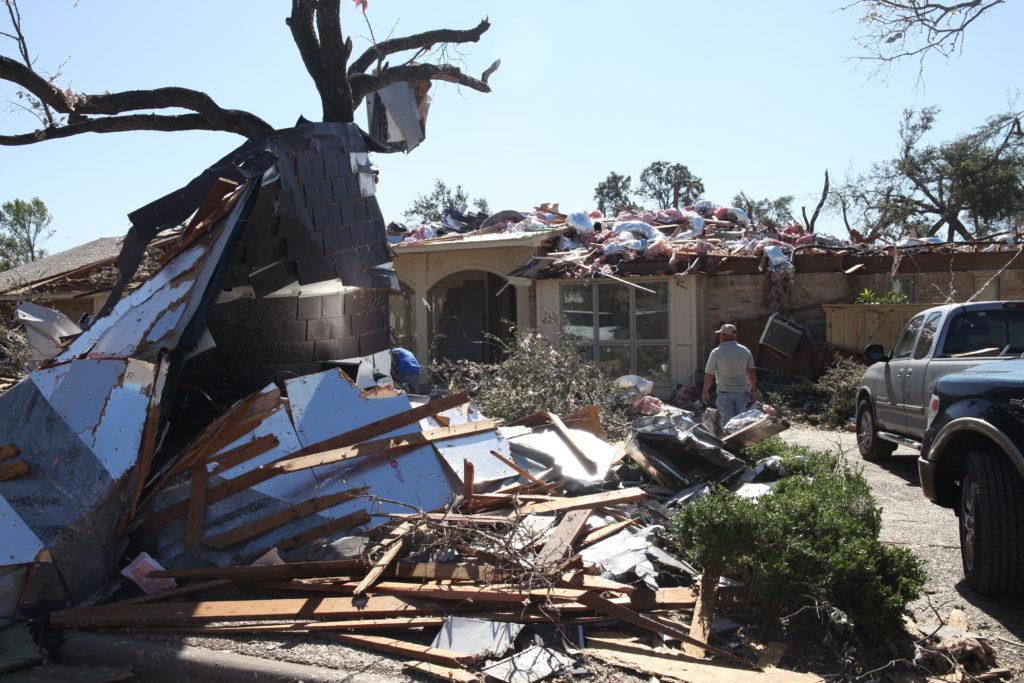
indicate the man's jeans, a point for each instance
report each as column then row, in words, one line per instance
column 731, row 404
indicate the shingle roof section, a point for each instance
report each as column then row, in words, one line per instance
column 86, row 254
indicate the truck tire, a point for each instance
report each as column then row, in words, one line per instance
column 992, row 524
column 870, row 446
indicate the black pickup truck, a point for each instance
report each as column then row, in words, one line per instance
column 971, row 460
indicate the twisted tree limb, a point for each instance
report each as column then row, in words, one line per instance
column 420, row 41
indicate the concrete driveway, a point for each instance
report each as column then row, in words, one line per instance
column 911, row 520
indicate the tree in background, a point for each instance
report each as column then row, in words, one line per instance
column 613, row 193
column 966, row 188
column 908, row 29
column 432, row 207
column 24, row 226
column 771, row 213
column 661, row 181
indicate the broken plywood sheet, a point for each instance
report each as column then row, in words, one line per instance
column 753, row 433
column 476, row 636
column 533, row 664
column 549, row 448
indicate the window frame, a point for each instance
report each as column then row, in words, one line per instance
column 592, row 346
column 913, row 341
column 932, row 318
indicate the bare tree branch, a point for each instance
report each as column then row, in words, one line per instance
column 809, row 224
column 421, row 41
column 115, row 124
column 364, row 84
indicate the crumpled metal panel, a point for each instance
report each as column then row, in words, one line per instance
column 21, row 545
column 548, row 447
column 44, row 328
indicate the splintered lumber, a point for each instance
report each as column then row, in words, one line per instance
column 589, row 465
column 374, row 606
column 703, row 614
column 647, row 600
column 246, row 451
column 509, row 463
column 441, row 673
column 175, row 592
column 626, row 614
column 393, row 624
column 559, row 543
column 10, row 469
column 349, row 521
column 259, row 573
column 196, row 506
column 7, row 451
column 392, row 544
column 449, row 572
column 603, row 532
column 280, row 518
column 467, row 482
column 580, row 502
column 403, row 648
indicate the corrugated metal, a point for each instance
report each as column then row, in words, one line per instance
column 854, row 326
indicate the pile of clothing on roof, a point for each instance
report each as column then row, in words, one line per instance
column 457, row 220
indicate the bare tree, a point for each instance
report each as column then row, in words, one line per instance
column 809, row 222
column 902, row 29
column 316, row 28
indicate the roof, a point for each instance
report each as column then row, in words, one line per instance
column 96, row 251
column 478, row 241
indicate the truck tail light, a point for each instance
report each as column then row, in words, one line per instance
column 933, row 410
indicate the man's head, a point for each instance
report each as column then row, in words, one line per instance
column 726, row 332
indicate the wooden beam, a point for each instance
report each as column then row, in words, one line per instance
column 344, row 523
column 392, row 544
column 373, row 606
column 258, row 573
column 579, row 502
column 147, row 444
column 280, row 518
column 559, row 543
column 196, row 506
column 175, row 592
column 589, row 465
column 392, row 624
column 403, row 648
column 467, row 482
column 601, row 533
column 246, row 451
column 508, row 461
column 441, row 673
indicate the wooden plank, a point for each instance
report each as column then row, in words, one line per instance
column 703, row 613
column 392, row 544
column 441, row 673
column 370, row 607
column 455, row 517
column 559, row 543
column 403, row 648
column 445, row 590
column 458, row 572
column 175, row 592
column 10, row 469
column 257, row 573
column 753, row 433
column 587, row 418
column 508, row 461
column 147, row 444
column 579, row 502
column 626, row 614
column 280, row 518
column 344, row 523
column 647, row 600
column 246, row 451
column 601, row 533
column 589, row 465
column 385, row 624
column 196, row 506
column 467, row 482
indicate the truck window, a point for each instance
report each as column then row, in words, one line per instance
column 985, row 333
column 924, row 342
column 905, row 342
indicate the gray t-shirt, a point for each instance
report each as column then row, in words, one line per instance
column 729, row 363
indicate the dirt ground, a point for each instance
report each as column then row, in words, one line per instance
column 911, row 520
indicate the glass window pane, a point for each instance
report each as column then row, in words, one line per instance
column 924, row 342
column 985, row 333
column 614, row 359
column 652, row 312
column 905, row 343
column 612, row 312
column 652, row 363
column 578, row 309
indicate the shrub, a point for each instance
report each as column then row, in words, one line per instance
column 840, row 383
column 871, row 297
column 536, row 374
column 812, row 545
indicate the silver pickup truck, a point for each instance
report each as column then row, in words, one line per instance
column 893, row 400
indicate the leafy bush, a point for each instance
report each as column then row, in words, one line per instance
column 812, row 545
column 871, row 297
column 536, row 374
column 830, row 401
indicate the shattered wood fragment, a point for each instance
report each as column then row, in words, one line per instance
column 280, row 518
column 626, row 614
column 509, row 462
column 603, row 532
column 441, row 673
column 7, row 451
column 703, row 614
column 258, row 573
column 373, row 606
column 589, row 465
column 579, row 502
column 196, row 506
column 349, row 521
column 467, row 482
column 559, row 543
column 392, row 544
column 402, row 648
column 9, row 469
column 246, row 451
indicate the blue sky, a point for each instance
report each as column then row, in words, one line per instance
column 751, row 95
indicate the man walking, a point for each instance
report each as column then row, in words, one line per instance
column 732, row 366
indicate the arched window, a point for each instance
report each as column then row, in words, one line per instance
column 402, row 308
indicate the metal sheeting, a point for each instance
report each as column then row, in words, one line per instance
column 551, row 449
column 476, row 636
column 45, row 328
column 21, row 545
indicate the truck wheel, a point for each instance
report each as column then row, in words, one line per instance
column 992, row 524
column 870, row 446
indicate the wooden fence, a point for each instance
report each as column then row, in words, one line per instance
column 853, row 326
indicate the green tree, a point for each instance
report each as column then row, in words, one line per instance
column 966, row 188
column 24, row 225
column 771, row 213
column 658, row 182
column 432, row 207
column 613, row 193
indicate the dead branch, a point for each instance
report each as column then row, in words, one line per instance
column 809, row 224
column 364, row 84
column 421, row 42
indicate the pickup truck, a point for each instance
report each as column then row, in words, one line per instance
column 952, row 388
